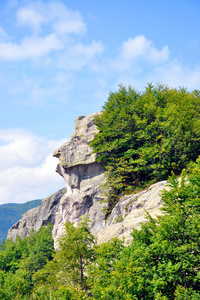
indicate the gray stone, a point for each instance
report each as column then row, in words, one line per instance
column 35, row 218
column 83, row 177
column 77, row 150
column 130, row 212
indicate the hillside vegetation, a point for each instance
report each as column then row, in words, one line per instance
column 10, row 213
column 162, row 262
column 144, row 136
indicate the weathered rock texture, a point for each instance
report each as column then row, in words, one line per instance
column 83, row 177
column 130, row 211
column 35, row 218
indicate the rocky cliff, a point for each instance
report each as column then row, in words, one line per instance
column 82, row 196
column 35, row 218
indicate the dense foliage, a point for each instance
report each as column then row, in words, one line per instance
column 10, row 213
column 65, row 277
column 162, row 262
column 144, row 136
column 19, row 260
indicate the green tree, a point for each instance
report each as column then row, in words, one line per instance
column 144, row 136
column 65, row 277
column 20, row 259
column 100, row 271
column 163, row 260
column 76, row 251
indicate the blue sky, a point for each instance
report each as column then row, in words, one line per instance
column 60, row 59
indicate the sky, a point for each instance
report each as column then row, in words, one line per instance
column 60, row 59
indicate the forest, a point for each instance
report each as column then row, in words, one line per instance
column 143, row 138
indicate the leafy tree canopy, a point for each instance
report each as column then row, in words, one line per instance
column 144, row 136
column 65, row 277
column 161, row 263
column 20, row 259
column 163, row 260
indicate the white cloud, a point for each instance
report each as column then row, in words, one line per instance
column 176, row 74
column 138, row 62
column 30, row 47
column 69, row 26
column 52, row 20
column 66, row 21
column 53, row 14
column 30, row 17
column 78, row 56
column 173, row 73
column 140, row 47
column 27, row 166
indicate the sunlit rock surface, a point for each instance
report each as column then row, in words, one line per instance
column 83, row 177
column 35, row 218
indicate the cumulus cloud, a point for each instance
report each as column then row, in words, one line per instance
column 27, row 166
column 141, row 47
column 30, row 17
column 139, row 50
column 138, row 61
column 54, row 14
column 51, row 23
column 30, row 47
column 78, row 56
column 66, row 21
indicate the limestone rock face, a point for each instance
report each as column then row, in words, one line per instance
column 35, row 218
column 83, row 177
column 77, row 151
column 130, row 211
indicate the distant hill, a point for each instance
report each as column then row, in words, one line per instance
column 10, row 213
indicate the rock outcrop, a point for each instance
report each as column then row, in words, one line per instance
column 83, row 196
column 83, row 176
column 130, row 212
column 35, row 218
